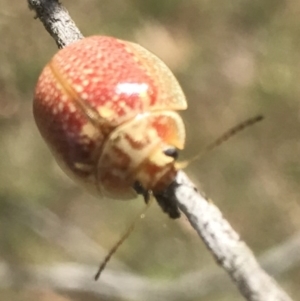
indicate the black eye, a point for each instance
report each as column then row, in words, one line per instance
column 171, row 152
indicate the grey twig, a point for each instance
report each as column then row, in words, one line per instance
column 57, row 21
column 223, row 242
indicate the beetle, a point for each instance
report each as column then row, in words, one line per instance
column 107, row 110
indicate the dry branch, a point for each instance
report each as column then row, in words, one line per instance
column 223, row 242
column 57, row 21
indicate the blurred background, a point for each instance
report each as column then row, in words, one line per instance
column 233, row 59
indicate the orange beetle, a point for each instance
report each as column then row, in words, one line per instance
column 106, row 109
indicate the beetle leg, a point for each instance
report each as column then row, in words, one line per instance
column 137, row 186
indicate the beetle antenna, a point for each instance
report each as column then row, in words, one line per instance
column 226, row 136
column 126, row 234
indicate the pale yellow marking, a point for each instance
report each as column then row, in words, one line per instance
column 72, row 108
column 87, row 71
column 60, row 107
column 78, row 88
column 47, row 98
column 105, row 112
column 64, row 97
column 122, row 104
column 57, row 86
column 85, row 82
column 146, row 99
column 84, row 96
column 115, row 97
column 160, row 159
column 98, row 56
column 83, row 167
column 89, row 130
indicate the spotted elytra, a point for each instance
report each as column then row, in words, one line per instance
column 106, row 109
